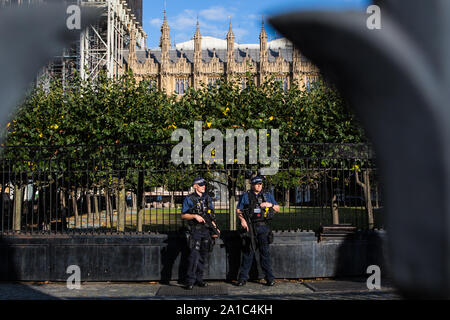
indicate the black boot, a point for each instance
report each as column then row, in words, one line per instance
column 241, row 283
column 201, row 284
column 270, row 283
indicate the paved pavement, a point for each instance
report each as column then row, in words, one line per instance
column 283, row 290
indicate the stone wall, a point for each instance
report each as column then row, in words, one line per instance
column 162, row 256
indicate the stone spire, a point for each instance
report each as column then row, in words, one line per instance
column 230, row 34
column 263, row 43
column 198, row 43
column 165, row 39
column 262, row 52
column 197, row 56
column 165, row 47
column 230, row 48
column 296, row 64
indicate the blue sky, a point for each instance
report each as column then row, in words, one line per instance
column 213, row 16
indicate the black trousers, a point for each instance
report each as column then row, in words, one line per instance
column 198, row 256
column 262, row 232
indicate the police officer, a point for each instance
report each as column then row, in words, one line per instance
column 257, row 203
column 200, row 239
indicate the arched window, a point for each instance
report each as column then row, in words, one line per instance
column 243, row 83
column 310, row 81
column 212, row 81
column 181, row 85
column 283, row 83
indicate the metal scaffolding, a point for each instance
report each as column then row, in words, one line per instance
column 102, row 45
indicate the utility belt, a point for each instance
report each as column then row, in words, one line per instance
column 260, row 223
column 207, row 244
column 199, row 227
column 245, row 236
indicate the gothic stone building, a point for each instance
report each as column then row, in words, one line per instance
column 203, row 60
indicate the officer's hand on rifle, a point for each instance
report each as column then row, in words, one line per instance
column 199, row 218
column 244, row 224
column 217, row 228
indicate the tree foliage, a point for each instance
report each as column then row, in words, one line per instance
column 109, row 119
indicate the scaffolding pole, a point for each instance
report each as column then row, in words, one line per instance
column 102, row 45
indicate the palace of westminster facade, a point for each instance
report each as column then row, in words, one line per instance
column 204, row 60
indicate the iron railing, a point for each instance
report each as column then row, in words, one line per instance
column 103, row 189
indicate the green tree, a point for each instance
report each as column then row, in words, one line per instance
column 102, row 130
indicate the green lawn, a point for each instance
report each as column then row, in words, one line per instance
column 292, row 218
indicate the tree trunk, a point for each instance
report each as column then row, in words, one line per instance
column 247, row 184
column 334, row 210
column 140, row 201
column 232, row 202
column 134, row 201
column 121, row 207
column 172, row 200
column 88, row 203
column 62, row 199
column 18, row 195
column 97, row 214
column 367, row 196
column 116, row 198
column 31, row 204
column 75, row 207
column 287, row 198
column 109, row 211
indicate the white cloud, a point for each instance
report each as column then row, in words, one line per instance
column 186, row 19
column 240, row 33
column 216, row 13
column 183, row 25
column 156, row 22
column 213, row 22
column 181, row 37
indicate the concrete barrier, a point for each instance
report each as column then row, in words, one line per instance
column 162, row 256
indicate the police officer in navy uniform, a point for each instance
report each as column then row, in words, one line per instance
column 257, row 202
column 200, row 239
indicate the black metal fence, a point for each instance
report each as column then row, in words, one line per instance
column 103, row 189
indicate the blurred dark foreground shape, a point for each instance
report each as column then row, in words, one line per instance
column 396, row 78
column 30, row 36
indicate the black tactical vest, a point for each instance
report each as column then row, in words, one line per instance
column 257, row 213
column 201, row 206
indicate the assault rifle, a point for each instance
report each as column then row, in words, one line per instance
column 208, row 221
column 252, row 235
column 251, row 230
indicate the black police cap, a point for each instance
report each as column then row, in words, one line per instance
column 200, row 181
column 256, row 180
